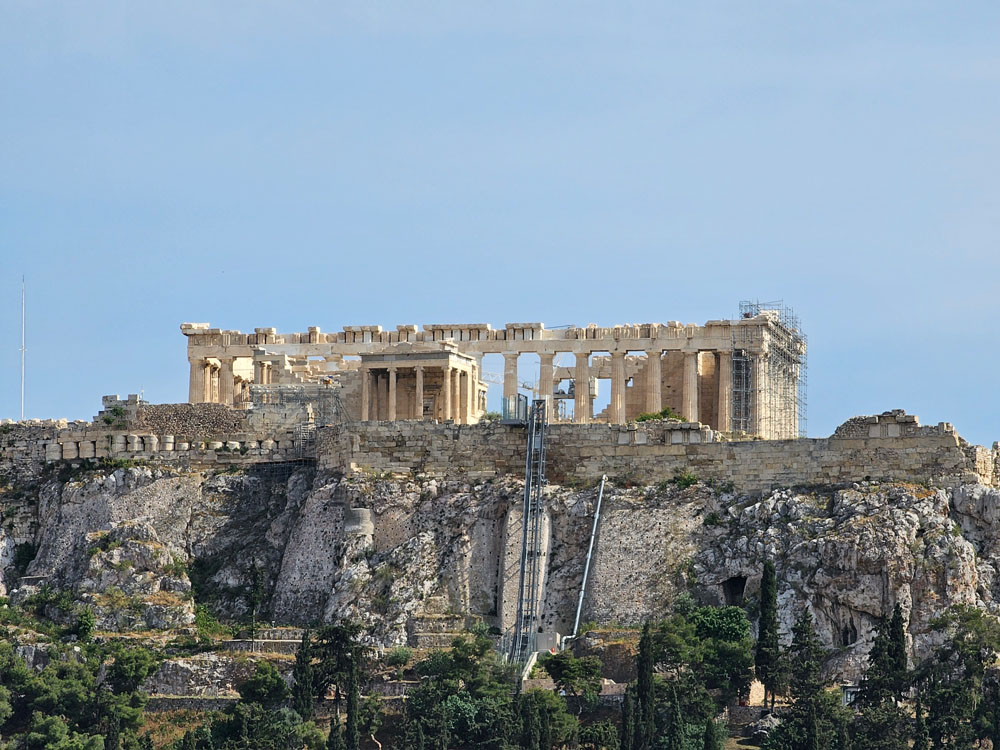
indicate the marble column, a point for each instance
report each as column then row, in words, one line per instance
column 214, row 390
column 689, row 395
column 258, row 372
column 456, row 396
column 616, row 412
column 226, row 381
column 391, row 416
column 581, row 389
column 196, row 382
column 463, row 397
column 366, row 394
column 470, row 397
column 724, row 383
column 446, row 393
column 654, row 381
column 545, row 376
column 418, row 407
column 510, row 380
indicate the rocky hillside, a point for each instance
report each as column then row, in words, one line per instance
column 141, row 546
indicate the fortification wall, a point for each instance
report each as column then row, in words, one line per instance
column 892, row 445
column 652, row 452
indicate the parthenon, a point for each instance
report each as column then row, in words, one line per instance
column 737, row 376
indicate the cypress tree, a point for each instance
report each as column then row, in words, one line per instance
column 544, row 728
column 352, row 737
column 767, row 652
column 675, row 724
column 896, row 653
column 646, row 698
column 627, row 736
column 710, row 741
column 302, row 692
column 188, row 743
column 113, row 737
column 812, row 731
column 335, row 741
column 807, row 653
column 920, row 739
column 531, row 738
column 418, row 737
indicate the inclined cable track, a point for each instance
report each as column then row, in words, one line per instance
column 526, row 625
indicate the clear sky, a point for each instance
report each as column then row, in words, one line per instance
column 292, row 164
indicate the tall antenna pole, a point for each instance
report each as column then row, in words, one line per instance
column 22, row 348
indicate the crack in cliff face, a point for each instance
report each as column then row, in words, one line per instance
column 848, row 553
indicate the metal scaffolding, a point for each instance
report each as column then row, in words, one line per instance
column 770, row 374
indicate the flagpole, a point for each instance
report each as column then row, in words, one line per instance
column 22, row 348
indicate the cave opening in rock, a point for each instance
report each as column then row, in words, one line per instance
column 848, row 634
column 733, row 590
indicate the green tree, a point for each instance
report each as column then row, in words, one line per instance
column 335, row 740
column 896, row 648
column 882, row 723
column 302, row 690
column 627, row 736
column 767, row 664
column 601, row 735
column 352, row 735
column 952, row 677
column 711, row 740
column 674, row 730
column 645, row 717
column 85, row 624
column 921, row 740
column 815, row 714
column 255, row 596
column 265, row 687
column 579, row 678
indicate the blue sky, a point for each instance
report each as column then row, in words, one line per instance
column 294, row 164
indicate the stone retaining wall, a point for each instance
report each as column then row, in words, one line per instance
column 655, row 451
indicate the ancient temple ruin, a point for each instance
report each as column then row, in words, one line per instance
column 741, row 376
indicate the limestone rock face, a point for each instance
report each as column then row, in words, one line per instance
column 141, row 545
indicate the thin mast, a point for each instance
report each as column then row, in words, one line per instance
column 22, row 348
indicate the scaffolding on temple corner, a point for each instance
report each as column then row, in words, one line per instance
column 770, row 378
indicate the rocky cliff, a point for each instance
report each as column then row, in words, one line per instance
column 141, row 545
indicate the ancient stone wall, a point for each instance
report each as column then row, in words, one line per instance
column 889, row 446
column 655, row 451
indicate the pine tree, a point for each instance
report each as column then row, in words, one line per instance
column 920, row 739
column 645, row 727
column 628, row 720
column 302, row 692
column 768, row 651
column 352, row 737
column 675, row 724
column 146, row 742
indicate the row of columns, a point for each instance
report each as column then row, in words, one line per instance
column 583, row 408
column 458, row 394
